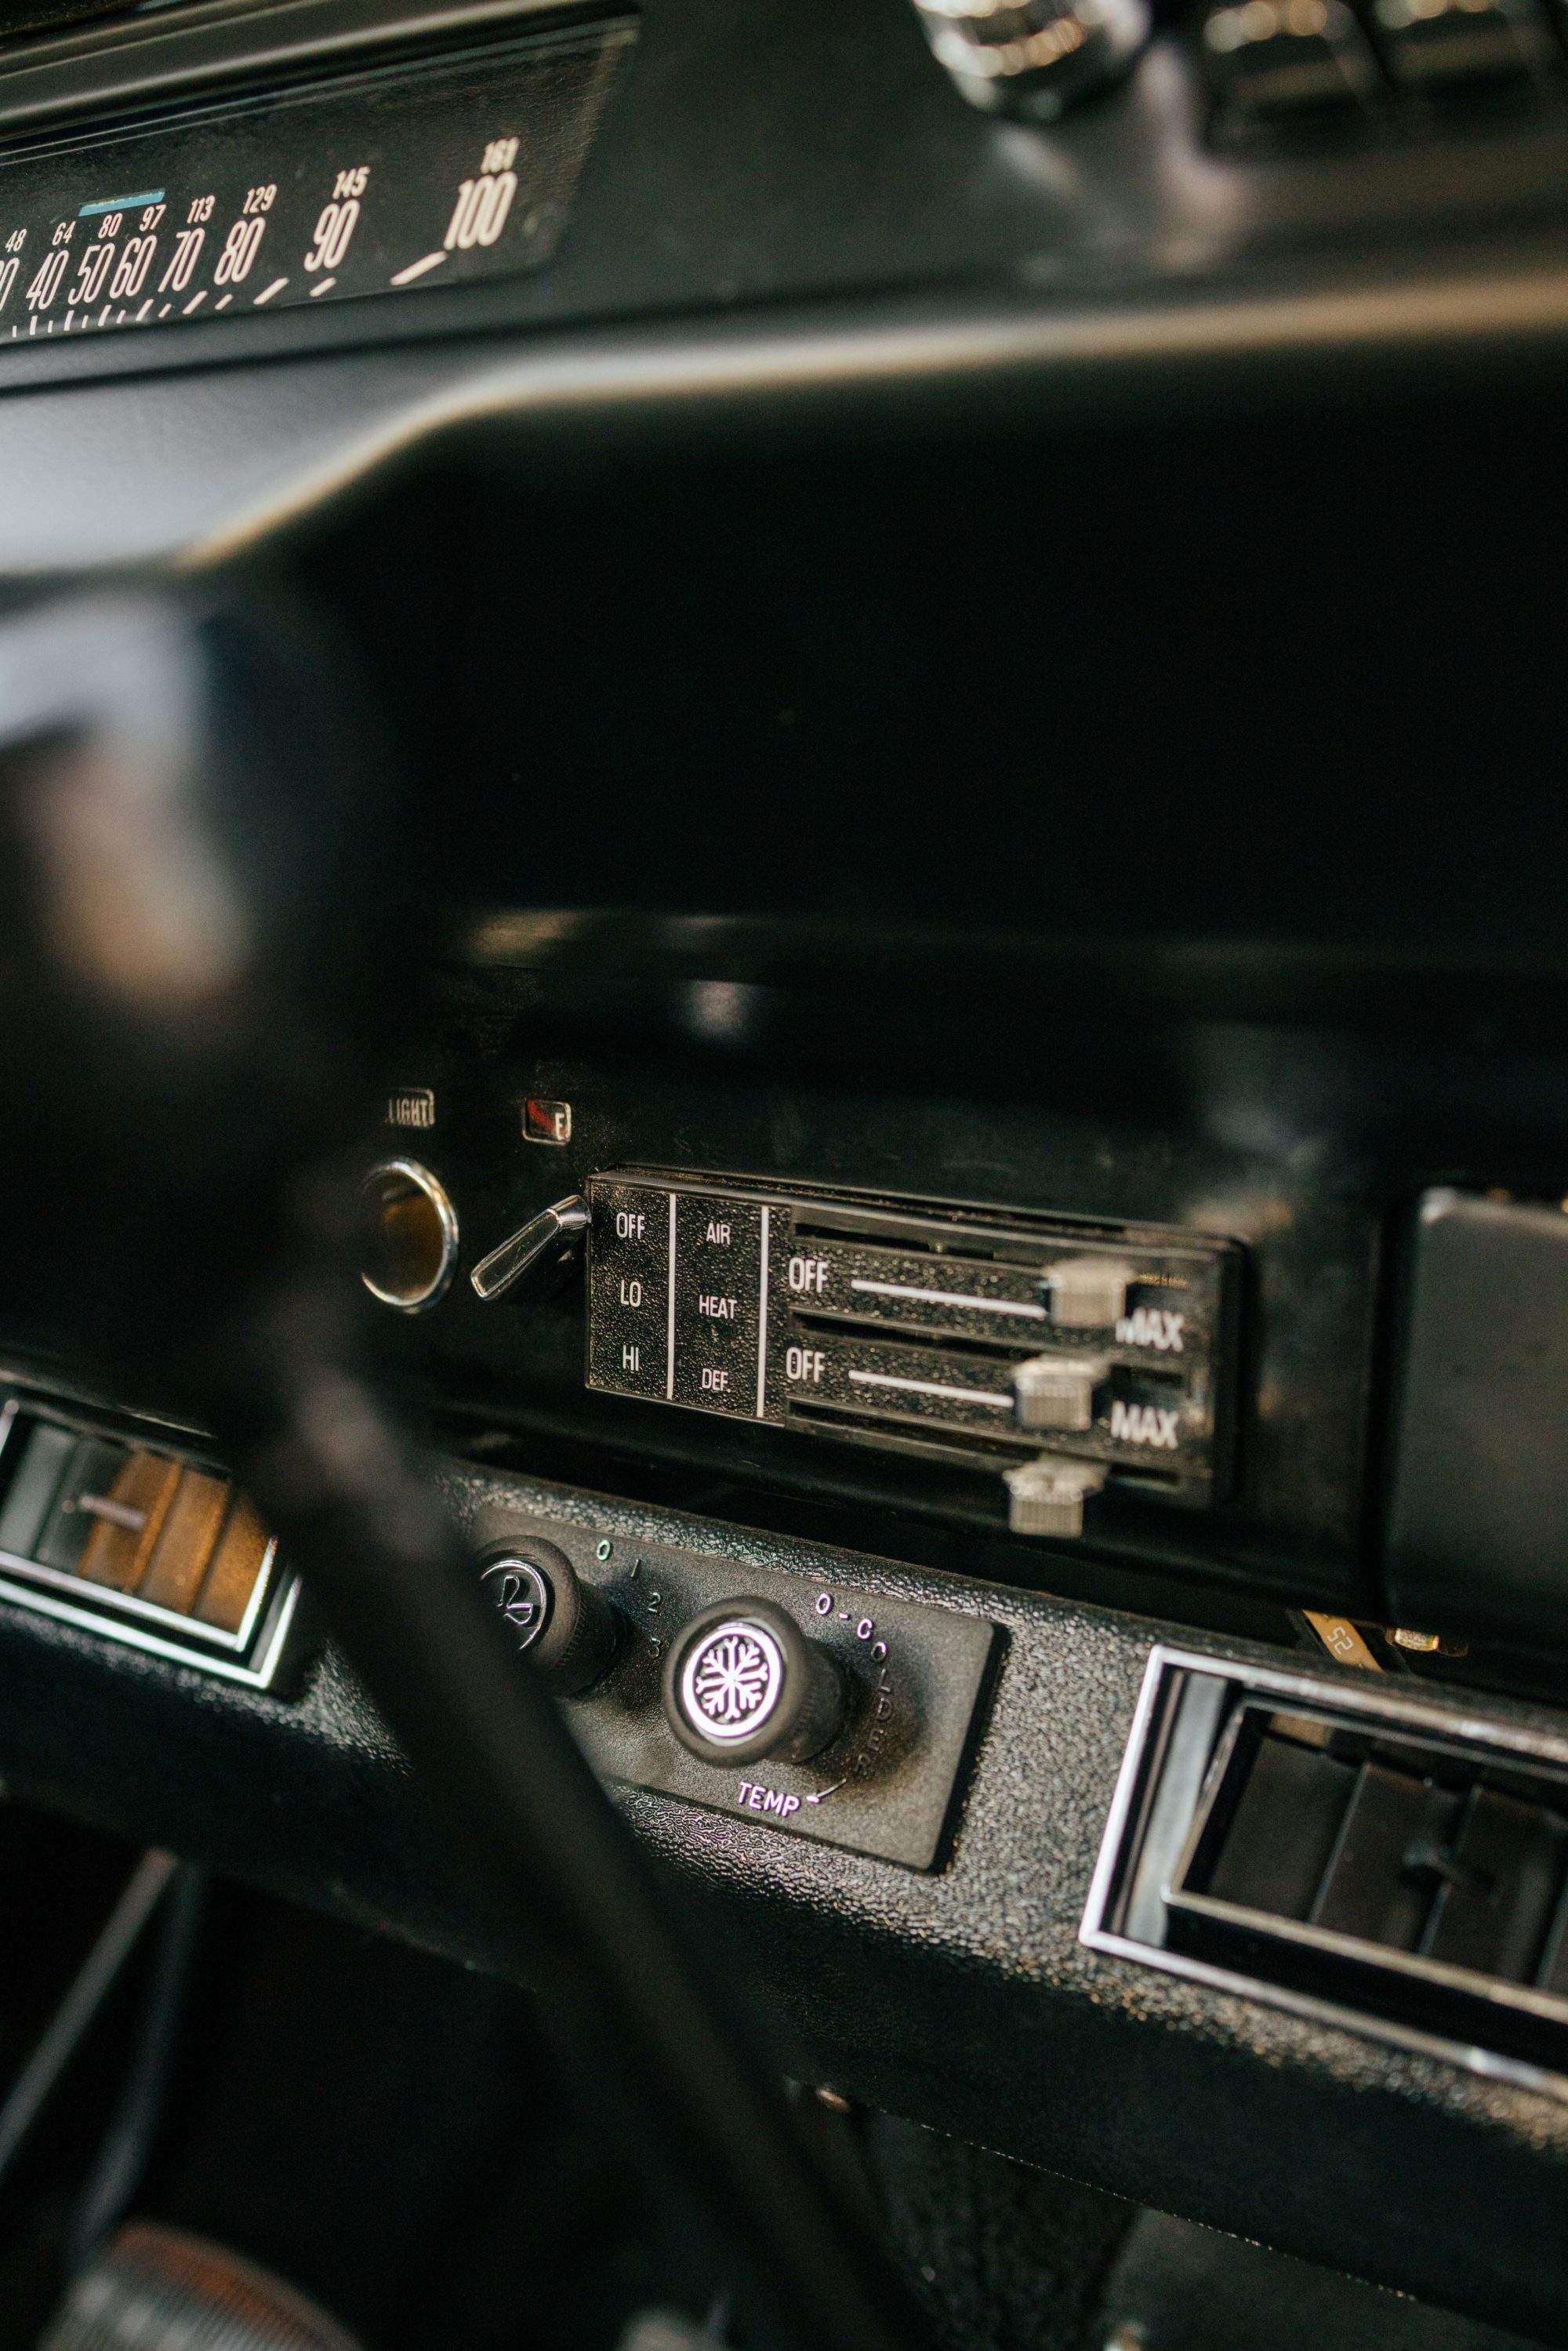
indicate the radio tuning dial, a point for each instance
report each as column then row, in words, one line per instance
column 1034, row 59
column 743, row 1682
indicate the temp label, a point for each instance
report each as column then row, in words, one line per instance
column 773, row 1801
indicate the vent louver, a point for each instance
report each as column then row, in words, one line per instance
column 1352, row 1851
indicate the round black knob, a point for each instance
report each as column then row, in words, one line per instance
column 743, row 1681
column 568, row 1629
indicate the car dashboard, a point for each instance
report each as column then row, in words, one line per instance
column 973, row 1229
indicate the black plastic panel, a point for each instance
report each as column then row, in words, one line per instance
column 1477, row 1520
column 865, row 1319
column 885, row 1787
column 1112, row 1148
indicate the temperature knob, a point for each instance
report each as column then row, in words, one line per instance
column 568, row 1629
column 744, row 1682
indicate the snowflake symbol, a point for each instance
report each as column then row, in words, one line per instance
column 733, row 1680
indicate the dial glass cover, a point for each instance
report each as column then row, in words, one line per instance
column 391, row 182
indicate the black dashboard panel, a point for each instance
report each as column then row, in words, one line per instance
column 964, row 1996
column 940, row 1331
column 1162, row 1116
column 990, row 678
column 919, row 1680
column 1294, row 1515
column 812, row 154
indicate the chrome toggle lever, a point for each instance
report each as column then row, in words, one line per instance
column 559, row 1229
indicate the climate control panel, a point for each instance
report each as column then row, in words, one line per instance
column 1061, row 1353
column 783, row 1685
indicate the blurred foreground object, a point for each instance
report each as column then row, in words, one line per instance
column 217, row 923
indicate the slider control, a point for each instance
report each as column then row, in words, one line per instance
column 1087, row 1293
column 1058, row 1391
column 1047, row 1497
column 555, row 1235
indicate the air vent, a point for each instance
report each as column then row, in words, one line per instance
column 1347, row 1851
column 119, row 1535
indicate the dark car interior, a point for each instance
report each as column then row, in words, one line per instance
column 784, row 1204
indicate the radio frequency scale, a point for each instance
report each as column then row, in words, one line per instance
column 383, row 181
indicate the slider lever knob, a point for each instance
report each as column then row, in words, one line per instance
column 1047, row 1497
column 1087, row 1293
column 555, row 1233
column 1058, row 1391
